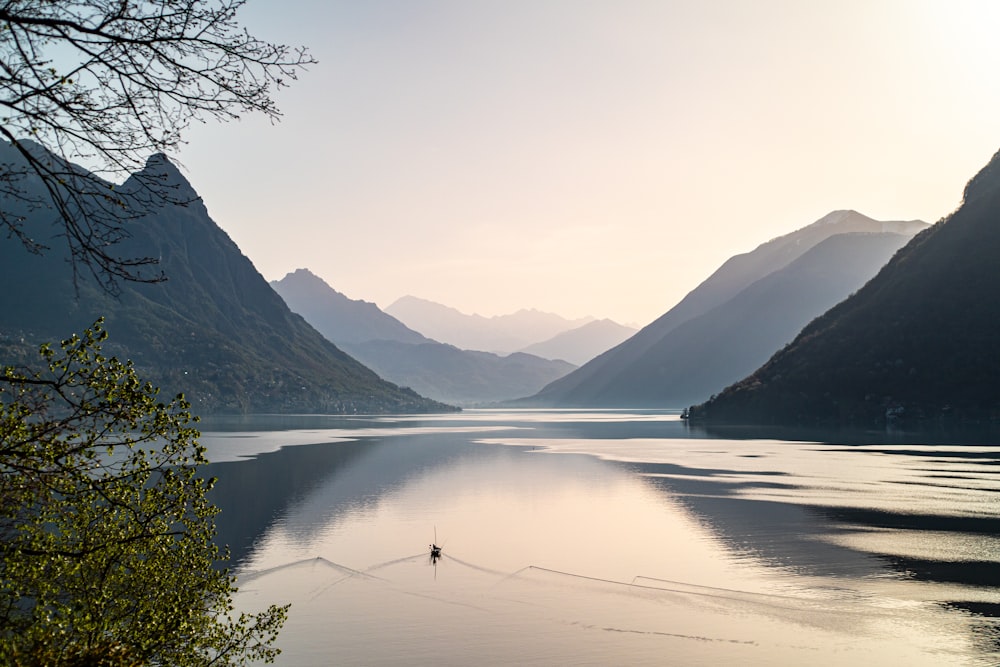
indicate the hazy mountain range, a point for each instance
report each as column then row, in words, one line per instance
column 580, row 345
column 917, row 344
column 405, row 357
column 731, row 323
column 914, row 340
column 501, row 334
column 215, row 330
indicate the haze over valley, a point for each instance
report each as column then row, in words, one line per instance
column 437, row 370
column 216, row 330
column 538, row 333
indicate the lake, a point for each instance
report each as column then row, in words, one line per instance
column 614, row 537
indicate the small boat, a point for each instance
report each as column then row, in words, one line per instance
column 435, row 552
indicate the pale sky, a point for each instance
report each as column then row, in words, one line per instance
column 592, row 157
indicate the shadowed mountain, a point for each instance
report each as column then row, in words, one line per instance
column 917, row 343
column 459, row 377
column 397, row 353
column 580, row 345
column 502, row 334
column 215, row 330
column 752, row 305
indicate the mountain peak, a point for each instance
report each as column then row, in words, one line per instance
column 840, row 216
column 751, row 305
column 215, row 330
column 500, row 334
column 162, row 174
column 984, row 181
column 304, row 277
column 916, row 343
column 339, row 318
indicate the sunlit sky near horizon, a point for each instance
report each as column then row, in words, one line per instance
column 590, row 157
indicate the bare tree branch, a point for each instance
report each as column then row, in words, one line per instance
column 108, row 83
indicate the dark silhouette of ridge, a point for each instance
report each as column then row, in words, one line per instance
column 214, row 330
column 918, row 343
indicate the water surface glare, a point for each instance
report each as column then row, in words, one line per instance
column 614, row 537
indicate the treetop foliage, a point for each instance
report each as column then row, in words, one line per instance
column 107, row 553
column 106, row 534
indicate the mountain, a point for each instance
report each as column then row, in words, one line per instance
column 214, row 330
column 502, row 334
column 752, row 305
column 341, row 319
column 722, row 345
column 458, row 377
column 401, row 355
column 580, row 345
column 917, row 344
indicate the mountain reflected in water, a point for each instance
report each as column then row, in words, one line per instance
column 572, row 535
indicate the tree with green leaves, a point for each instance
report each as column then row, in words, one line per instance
column 109, row 83
column 106, row 553
column 106, row 534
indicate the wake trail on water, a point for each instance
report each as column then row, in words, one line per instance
column 396, row 561
column 659, row 633
column 473, row 566
column 803, row 608
column 773, row 599
column 819, row 610
column 318, row 560
column 639, row 582
column 642, row 605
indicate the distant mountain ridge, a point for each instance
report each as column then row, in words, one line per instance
column 916, row 345
column 215, row 330
column 580, row 345
column 397, row 353
column 467, row 378
column 502, row 334
column 728, row 324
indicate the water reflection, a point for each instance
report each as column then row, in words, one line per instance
column 932, row 434
column 610, row 538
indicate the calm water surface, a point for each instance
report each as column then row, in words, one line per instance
column 600, row 538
